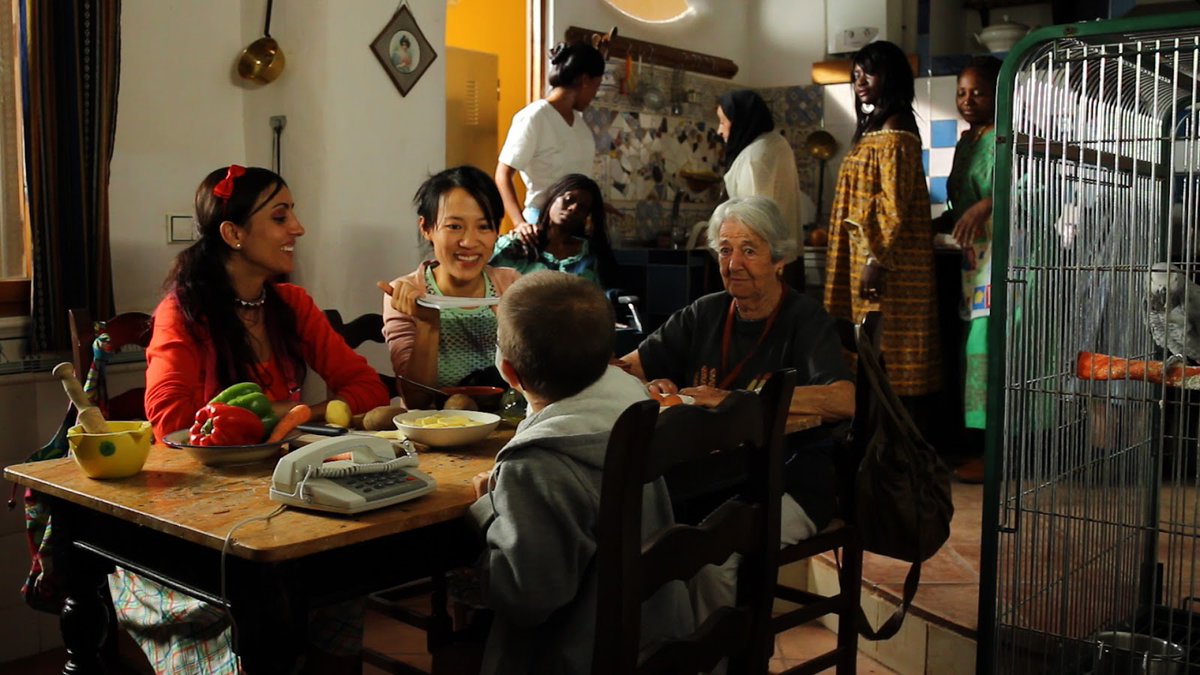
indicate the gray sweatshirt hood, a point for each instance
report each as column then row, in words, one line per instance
column 574, row 425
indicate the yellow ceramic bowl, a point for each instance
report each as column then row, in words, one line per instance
column 119, row 453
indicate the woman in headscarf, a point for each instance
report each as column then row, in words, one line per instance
column 759, row 162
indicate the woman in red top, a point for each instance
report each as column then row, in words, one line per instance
column 225, row 320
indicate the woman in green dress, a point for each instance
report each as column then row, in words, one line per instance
column 969, row 214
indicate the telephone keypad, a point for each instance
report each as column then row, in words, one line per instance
column 374, row 486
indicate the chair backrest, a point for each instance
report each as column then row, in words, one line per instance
column 129, row 328
column 365, row 328
column 646, row 444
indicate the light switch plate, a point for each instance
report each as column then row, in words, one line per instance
column 181, row 229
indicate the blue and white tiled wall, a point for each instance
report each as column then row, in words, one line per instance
column 937, row 119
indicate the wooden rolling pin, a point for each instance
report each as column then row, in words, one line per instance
column 89, row 415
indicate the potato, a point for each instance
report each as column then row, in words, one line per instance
column 460, row 402
column 337, row 413
column 380, row 419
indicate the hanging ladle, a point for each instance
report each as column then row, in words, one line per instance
column 263, row 60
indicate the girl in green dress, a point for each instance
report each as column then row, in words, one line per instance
column 572, row 235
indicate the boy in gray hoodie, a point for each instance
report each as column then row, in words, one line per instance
column 542, row 503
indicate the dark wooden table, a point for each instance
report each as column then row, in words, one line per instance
column 170, row 521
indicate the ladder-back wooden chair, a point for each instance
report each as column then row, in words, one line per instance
column 365, row 328
column 840, row 536
column 643, row 447
column 123, row 330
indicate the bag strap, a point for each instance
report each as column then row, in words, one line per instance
column 887, row 404
column 892, row 625
column 885, row 397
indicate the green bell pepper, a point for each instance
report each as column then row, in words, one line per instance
column 250, row 396
column 236, row 390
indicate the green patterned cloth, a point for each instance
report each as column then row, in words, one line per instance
column 970, row 181
column 468, row 338
column 509, row 252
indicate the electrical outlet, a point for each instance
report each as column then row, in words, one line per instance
column 278, row 122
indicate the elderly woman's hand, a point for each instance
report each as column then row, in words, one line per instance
column 661, row 387
column 404, row 299
column 874, row 282
column 709, row 397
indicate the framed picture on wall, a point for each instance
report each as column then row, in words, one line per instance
column 403, row 51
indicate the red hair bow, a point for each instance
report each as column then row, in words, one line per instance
column 224, row 189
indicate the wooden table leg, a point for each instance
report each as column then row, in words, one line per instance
column 85, row 616
column 271, row 626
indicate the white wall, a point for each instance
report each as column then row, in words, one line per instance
column 354, row 149
column 785, row 37
column 179, row 115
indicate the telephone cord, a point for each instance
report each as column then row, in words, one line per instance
column 224, row 552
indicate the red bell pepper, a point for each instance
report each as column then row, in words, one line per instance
column 221, row 424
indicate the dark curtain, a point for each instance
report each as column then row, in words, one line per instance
column 71, row 57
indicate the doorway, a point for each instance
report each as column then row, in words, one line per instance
column 489, row 48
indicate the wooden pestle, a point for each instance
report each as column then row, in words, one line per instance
column 89, row 415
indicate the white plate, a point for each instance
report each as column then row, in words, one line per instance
column 448, row 302
column 443, row 437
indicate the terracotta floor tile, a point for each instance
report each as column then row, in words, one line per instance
column 953, row 604
column 796, row 646
column 395, row 639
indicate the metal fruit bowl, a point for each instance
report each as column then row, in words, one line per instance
column 216, row 455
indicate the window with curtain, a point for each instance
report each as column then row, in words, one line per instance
column 15, row 259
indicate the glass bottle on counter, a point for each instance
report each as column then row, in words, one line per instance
column 512, row 407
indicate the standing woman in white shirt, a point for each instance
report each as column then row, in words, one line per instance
column 760, row 162
column 548, row 138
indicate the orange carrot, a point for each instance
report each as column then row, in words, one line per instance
column 299, row 414
column 1091, row 366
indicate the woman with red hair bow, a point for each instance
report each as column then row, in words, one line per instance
column 227, row 319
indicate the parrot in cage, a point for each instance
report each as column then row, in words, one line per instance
column 1173, row 312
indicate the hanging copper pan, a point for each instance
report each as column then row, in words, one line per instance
column 263, row 60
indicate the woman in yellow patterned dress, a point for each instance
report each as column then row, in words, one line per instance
column 880, row 233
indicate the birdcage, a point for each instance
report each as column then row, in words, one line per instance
column 1092, row 518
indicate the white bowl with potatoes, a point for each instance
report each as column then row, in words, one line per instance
column 446, row 428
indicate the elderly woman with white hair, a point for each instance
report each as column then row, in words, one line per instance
column 736, row 338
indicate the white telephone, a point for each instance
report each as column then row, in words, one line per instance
column 372, row 478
